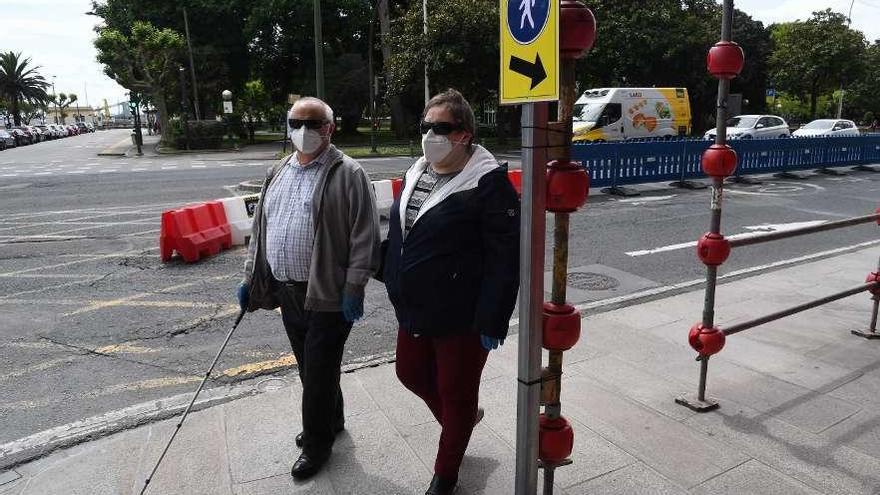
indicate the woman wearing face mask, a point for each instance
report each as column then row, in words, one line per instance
column 451, row 271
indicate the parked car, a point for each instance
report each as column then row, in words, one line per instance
column 74, row 130
column 6, row 140
column 48, row 134
column 59, row 130
column 828, row 128
column 22, row 137
column 36, row 133
column 90, row 126
column 754, row 127
column 83, row 128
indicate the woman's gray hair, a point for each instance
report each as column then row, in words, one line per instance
column 459, row 108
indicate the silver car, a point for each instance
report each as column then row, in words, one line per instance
column 828, row 128
column 6, row 140
column 754, row 127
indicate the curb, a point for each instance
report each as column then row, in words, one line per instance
column 43, row 443
column 252, row 186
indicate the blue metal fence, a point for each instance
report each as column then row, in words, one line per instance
column 619, row 164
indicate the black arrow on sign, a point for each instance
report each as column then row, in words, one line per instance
column 534, row 71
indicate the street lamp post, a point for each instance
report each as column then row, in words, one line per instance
column 319, row 52
column 843, row 91
column 55, row 100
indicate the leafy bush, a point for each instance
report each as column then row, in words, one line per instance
column 203, row 134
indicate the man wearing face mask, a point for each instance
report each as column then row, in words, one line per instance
column 315, row 244
column 452, row 274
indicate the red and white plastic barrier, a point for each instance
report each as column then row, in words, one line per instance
column 201, row 230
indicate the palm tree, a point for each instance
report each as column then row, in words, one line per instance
column 20, row 82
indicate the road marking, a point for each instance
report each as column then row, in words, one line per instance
column 8, row 175
column 108, row 171
column 125, row 348
column 647, row 199
column 198, row 166
column 138, row 170
column 43, row 173
column 228, row 165
column 126, row 304
column 230, row 310
column 124, row 300
column 76, row 172
column 285, row 361
column 756, row 231
column 170, row 168
column 38, row 367
column 69, row 263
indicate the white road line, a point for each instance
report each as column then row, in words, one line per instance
column 228, row 165
column 198, row 166
column 169, row 168
column 76, row 172
column 756, row 231
column 43, row 173
column 138, row 170
column 108, row 171
column 8, row 175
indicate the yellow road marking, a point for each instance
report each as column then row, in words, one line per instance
column 261, row 367
column 37, row 367
column 133, row 304
column 125, row 348
column 69, row 263
column 121, row 301
column 230, row 310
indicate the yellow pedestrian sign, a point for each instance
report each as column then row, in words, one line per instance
column 529, row 51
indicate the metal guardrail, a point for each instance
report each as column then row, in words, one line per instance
column 626, row 163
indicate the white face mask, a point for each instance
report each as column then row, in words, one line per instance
column 435, row 148
column 306, row 141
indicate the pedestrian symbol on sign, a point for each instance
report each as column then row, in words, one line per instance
column 527, row 18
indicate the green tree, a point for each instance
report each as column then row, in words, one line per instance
column 459, row 50
column 147, row 61
column 861, row 96
column 20, row 82
column 255, row 104
column 62, row 102
column 811, row 58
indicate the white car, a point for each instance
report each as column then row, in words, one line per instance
column 754, row 127
column 828, row 128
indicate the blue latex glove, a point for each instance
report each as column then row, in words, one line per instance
column 243, row 296
column 352, row 307
column 490, row 343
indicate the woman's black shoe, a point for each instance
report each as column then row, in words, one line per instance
column 307, row 466
column 441, row 486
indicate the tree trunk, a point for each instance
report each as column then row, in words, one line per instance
column 162, row 109
column 16, row 118
column 398, row 113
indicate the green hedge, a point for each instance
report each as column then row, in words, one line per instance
column 203, row 134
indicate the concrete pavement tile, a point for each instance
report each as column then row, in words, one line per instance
column 357, row 400
column 682, row 454
column 284, row 484
column 863, row 390
column 639, row 384
column 197, row 462
column 401, row 406
column 107, row 466
column 11, row 482
column 850, row 351
column 783, row 364
column 860, row 432
column 796, row 405
column 372, row 457
column 635, row 478
column 260, row 434
column 753, row 478
column 644, row 317
column 823, row 464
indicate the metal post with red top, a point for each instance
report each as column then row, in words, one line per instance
column 725, row 61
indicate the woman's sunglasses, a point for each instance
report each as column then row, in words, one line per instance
column 439, row 128
column 310, row 123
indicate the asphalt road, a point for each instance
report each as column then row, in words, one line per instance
column 92, row 321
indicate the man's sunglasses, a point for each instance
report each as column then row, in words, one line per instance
column 439, row 128
column 309, row 123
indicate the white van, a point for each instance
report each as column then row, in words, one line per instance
column 616, row 114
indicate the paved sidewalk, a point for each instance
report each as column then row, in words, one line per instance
column 800, row 413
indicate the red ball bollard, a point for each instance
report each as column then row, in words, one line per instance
column 562, row 326
column 577, row 31
column 713, row 249
column 725, row 60
column 719, row 161
column 568, row 186
column 555, row 439
column 706, row 341
column 874, row 277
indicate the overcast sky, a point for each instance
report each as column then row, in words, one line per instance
column 57, row 35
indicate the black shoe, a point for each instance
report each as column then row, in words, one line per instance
column 299, row 438
column 307, row 466
column 441, row 486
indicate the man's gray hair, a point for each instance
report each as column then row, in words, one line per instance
column 459, row 108
column 328, row 112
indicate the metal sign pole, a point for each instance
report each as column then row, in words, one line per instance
column 531, row 294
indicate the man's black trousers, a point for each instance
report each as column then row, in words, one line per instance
column 318, row 339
